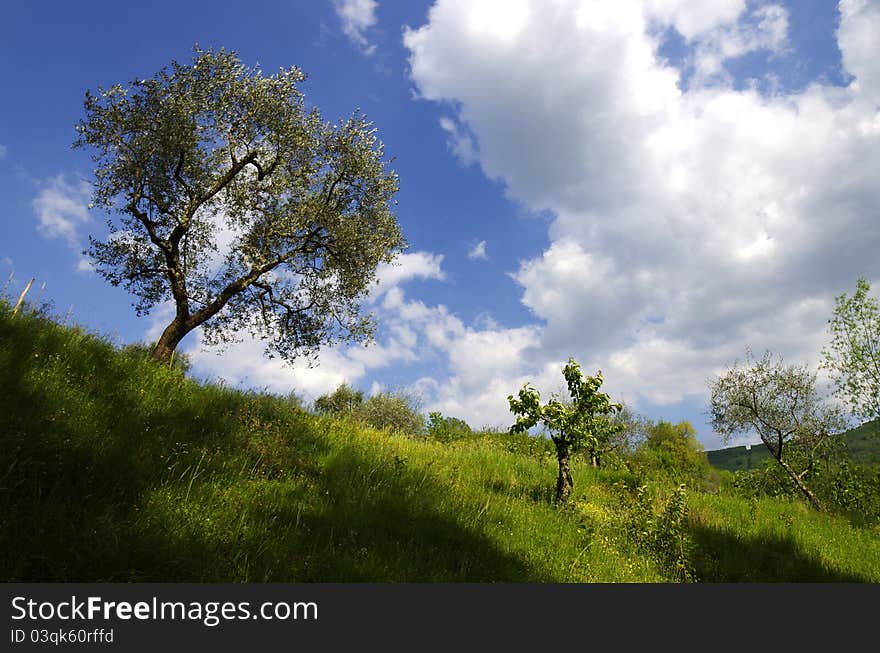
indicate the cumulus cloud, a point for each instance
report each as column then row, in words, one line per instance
column 857, row 37
column 478, row 252
column 688, row 223
column 414, row 265
column 62, row 209
column 357, row 16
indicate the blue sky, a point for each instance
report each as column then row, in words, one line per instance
column 649, row 187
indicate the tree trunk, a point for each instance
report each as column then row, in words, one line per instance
column 595, row 460
column 801, row 485
column 171, row 337
column 564, row 483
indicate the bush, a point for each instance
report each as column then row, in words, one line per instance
column 537, row 446
column 673, row 450
column 343, row 400
column 662, row 533
column 447, row 429
column 396, row 411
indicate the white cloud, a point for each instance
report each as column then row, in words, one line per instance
column 6, row 261
column 857, row 36
column 688, row 224
column 692, row 18
column 460, row 142
column 766, row 28
column 62, row 208
column 478, row 252
column 2, row 151
column 357, row 16
column 415, row 265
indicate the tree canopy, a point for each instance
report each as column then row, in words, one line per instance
column 227, row 196
column 853, row 356
column 780, row 404
column 584, row 422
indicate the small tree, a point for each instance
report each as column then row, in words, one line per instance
column 853, row 357
column 212, row 153
column 343, row 400
column 585, row 422
column 674, row 449
column 446, row 429
column 778, row 402
column 395, row 411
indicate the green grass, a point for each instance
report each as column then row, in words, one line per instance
column 114, row 468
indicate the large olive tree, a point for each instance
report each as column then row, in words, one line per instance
column 232, row 199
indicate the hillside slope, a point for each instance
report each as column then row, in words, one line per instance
column 114, row 468
column 862, row 445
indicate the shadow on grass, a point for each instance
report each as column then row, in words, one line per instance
column 336, row 528
column 720, row 556
column 81, row 446
column 543, row 491
column 390, row 528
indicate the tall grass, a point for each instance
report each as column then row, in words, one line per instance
column 115, row 468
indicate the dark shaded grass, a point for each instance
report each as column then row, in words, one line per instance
column 720, row 556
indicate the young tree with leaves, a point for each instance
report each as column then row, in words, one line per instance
column 584, row 422
column 853, row 357
column 230, row 198
column 780, row 404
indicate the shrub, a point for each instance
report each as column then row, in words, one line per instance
column 662, row 533
column 343, row 400
column 673, row 450
column 396, row 411
column 446, row 429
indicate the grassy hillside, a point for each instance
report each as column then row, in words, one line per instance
column 116, row 469
column 862, row 445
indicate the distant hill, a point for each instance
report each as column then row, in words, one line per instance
column 862, row 442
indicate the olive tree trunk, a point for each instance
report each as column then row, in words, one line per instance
column 168, row 341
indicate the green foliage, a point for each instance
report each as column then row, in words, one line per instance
column 854, row 490
column 853, row 356
column 213, row 150
column 631, row 433
column 447, row 429
column 397, row 412
column 538, row 447
column 662, row 532
column 343, row 400
column 585, row 422
column 780, row 403
column 673, row 449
